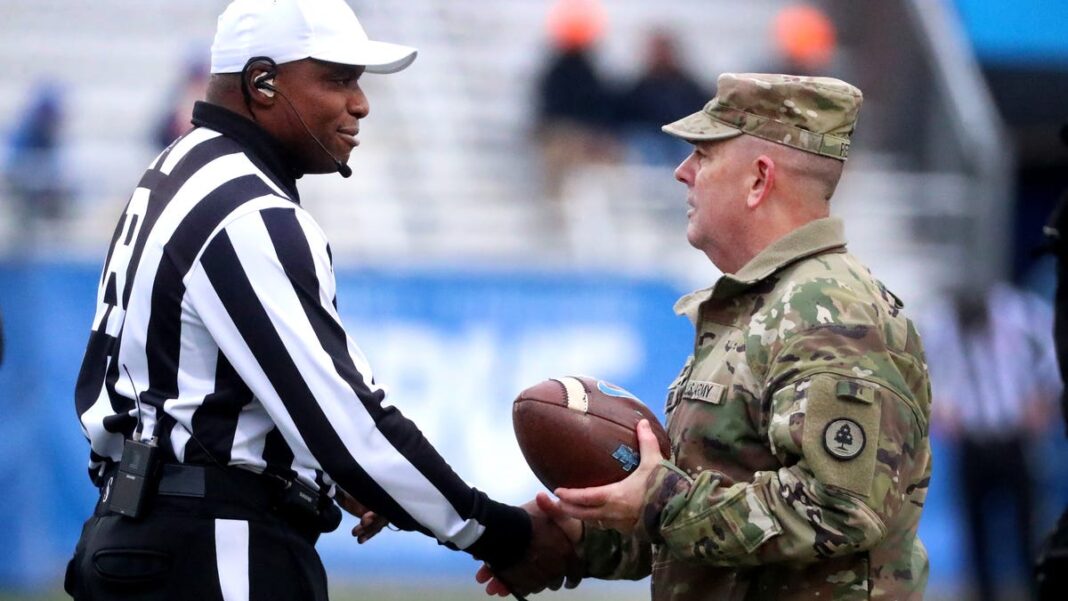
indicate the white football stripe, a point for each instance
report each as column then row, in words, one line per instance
column 576, row 394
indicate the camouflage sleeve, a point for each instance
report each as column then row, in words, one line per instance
column 848, row 439
column 610, row 555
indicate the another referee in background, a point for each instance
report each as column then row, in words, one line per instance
column 225, row 406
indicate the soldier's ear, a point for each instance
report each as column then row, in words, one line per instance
column 762, row 181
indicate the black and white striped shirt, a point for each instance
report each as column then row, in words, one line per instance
column 992, row 370
column 217, row 306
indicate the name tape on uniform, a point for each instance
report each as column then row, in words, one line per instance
column 709, row 392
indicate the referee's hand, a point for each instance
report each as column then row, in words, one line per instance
column 370, row 522
column 550, row 561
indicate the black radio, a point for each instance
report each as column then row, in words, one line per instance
column 128, row 489
column 302, row 504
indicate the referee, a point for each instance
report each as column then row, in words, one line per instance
column 225, row 406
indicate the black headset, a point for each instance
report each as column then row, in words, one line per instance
column 263, row 81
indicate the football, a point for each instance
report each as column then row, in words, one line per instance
column 577, row 432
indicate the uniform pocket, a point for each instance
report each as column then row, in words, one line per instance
column 131, row 566
column 731, row 529
column 751, row 523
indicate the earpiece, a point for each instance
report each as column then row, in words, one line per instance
column 265, row 82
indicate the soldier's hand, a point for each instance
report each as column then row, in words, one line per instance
column 549, row 562
column 616, row 506
column 370, row 522
column 572, row 527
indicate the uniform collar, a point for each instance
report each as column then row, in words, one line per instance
column 815, row 237
column 264, row 150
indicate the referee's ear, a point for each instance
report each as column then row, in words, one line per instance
column 262, row 94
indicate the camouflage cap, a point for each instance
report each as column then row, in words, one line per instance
column 814, row 114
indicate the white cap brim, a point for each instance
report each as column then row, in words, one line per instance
column 376, row 57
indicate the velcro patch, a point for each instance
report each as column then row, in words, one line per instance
column 709, row 392
column 841, row 432
column 675, row 389
column 853, row 390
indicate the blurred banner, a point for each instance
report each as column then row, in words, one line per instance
column 454, row 349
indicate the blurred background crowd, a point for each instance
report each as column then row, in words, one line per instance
column 513, row 216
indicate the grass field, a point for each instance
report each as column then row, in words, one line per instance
column 453, row 591
column 416, row 590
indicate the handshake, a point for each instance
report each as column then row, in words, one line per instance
column 553, row 558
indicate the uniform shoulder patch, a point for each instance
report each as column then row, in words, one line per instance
column 840, row 440
column 844, row 439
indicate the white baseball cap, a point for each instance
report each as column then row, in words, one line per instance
column 290, row 30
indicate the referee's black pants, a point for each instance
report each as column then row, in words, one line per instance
column 205, row 549
column 993, row 472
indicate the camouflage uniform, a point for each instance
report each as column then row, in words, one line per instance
column 799, row 427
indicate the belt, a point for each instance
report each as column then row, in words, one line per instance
column 301, row 507
column 199, row 481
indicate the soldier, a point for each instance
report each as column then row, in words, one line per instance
column 800, row 456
